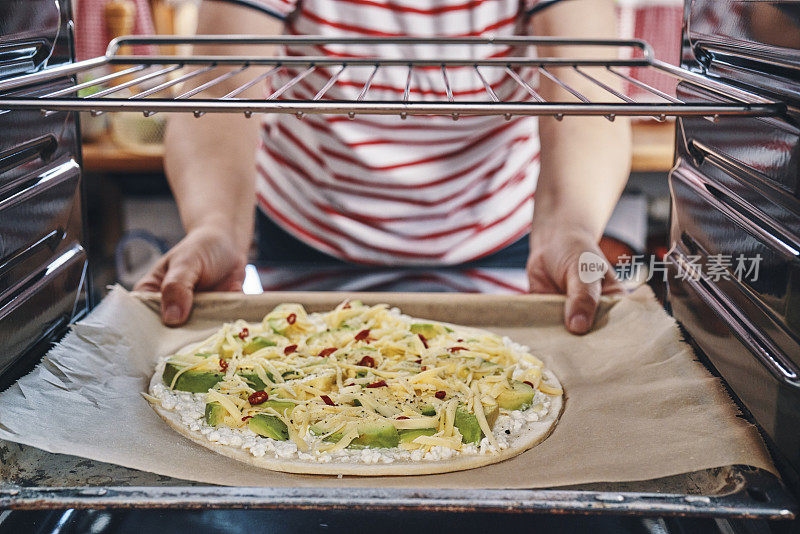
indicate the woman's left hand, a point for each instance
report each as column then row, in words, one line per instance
column 554, row 266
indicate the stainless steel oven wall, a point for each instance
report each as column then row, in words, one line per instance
column 736, row 191
column 34, row 33
column 43, row 263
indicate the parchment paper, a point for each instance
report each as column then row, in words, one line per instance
column 638, row 405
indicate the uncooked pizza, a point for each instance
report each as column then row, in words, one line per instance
column 359, row 390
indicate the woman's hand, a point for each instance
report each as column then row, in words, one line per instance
column 553, row 267
column 207, row 259
column 585, row 163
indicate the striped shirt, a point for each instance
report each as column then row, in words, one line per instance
column 382, row 190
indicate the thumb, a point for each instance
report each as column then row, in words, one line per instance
column 582, row 299
column 177, row 291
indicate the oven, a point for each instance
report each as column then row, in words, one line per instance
column 43, row 260
column 735, row 189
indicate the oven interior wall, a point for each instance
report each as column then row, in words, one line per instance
column 43, row 260
column 736, row 192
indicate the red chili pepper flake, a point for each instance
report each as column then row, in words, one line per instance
column 246, row 417
column 346, row 305
column 361, row 336
column 244, row 333
column 424, row 341
column 258, row 397
column 418, row 361
column 402, row 417
column 327, row 400
column 460, row 340
column 324, row 353
column 440, row 395
column 367, row 361
column 290, row 349
column 529, row 383
column 378, row 384
column 424, row 367
column 456, row 349
column 291, row 318
column 223, row 364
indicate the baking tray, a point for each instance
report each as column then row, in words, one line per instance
column 31, row 478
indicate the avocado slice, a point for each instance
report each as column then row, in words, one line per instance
column 191, row 381
column 467, row 424
column 279, row 325
column 201, row 381
column 269, row 426
column 215, row 413
column 255, row 381
column 486, row 368
column 281, row 406
column 428, row 410
column 377, row 434
column 371, row 434
column 491, row 415
column 258, row 343
column 407, row 436
column 519, row 397
column 326, row 338
column 428, row 330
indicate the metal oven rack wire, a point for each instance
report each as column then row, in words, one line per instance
column 153, row 83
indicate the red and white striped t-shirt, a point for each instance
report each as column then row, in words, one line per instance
column 382, row 190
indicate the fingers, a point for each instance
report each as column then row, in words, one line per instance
column 582, row 299
column 612, row 285
column 234, row 281
column 542, row 284
column 151, row 282
column 538, row 280
column 177, row 291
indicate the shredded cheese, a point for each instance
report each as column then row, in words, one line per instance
column 550, row 390
column 359, row 367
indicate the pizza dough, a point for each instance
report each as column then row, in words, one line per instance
column 347, row 410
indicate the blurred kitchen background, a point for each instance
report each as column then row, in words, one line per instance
column 133, row 218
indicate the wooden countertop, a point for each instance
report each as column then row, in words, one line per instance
column 105, row 156
column 653, row 151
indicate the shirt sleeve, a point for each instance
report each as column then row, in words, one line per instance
column 280, row 9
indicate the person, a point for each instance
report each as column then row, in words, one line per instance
column 383, row 191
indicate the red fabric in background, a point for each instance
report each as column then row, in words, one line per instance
column 659, row 23
column 91, row 36
column 656, row 21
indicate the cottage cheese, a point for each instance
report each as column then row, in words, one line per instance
column 191, row 409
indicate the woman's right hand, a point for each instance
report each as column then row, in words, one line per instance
column 207, row 259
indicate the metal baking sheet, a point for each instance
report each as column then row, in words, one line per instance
column 34, row 479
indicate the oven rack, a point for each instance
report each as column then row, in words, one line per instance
column 164, row 76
